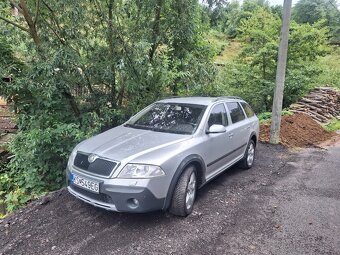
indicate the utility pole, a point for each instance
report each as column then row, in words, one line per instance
column 280, row 74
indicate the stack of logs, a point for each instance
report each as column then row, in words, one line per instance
column 322, row 104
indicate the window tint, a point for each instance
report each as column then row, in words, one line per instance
column 247, row 109
column 236, row 112
column 218, row 116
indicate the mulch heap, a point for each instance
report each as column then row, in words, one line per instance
column 298, row 130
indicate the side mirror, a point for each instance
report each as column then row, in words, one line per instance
column 215, row 129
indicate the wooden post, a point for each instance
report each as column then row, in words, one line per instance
column 280, row 74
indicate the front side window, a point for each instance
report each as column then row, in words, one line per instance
column 236, row 112
column 218, row 116
column 247, row 109
column 170, row 118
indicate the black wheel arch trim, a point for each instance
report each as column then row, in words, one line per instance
column 194, row 158
column 254, row 134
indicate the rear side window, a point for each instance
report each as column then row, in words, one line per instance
column 218, row 116
column 236, row 112
column 247, row 109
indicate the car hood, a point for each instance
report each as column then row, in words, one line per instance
column 124, row 142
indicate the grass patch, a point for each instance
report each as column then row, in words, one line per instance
column 330, row 64
column 333, row 126
column 225, row 49
column 230, row 52
column 266, row 116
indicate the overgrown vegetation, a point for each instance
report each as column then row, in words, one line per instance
column 79, row 67
column 334, row 125
column 266, row 116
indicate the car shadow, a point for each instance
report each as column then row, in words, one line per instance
column 220, row 180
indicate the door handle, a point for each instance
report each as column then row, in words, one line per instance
column 248, row 127
column 231, row 135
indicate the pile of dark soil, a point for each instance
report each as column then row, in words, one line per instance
column 298, row 130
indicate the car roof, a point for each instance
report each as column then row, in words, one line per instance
column 199, row 100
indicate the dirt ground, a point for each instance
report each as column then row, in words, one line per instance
column 288, row 203
column 298, row 130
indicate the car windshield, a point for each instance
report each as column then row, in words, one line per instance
column 169, row 117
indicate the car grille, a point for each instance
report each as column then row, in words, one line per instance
column 98, row 197
column 99, row 166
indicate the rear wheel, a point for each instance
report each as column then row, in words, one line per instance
column 249, row 156
column 185, row 193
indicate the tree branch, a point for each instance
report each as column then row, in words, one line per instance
column 37, row 8
column 15, row 24
column 156, row 29
column 111, row 49
column 16, row 6
column 30, row 23
column 54, row 18
column 62, row 40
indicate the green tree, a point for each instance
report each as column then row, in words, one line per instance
column 312, row 11
column 87, row 67
column 260, row 36
column 252, row 75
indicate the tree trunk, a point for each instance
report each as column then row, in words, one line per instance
column 156, row 29
column 72, row 103
column 31, row 24
column 112, row 52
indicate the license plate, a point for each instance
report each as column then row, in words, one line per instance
column 85, row 183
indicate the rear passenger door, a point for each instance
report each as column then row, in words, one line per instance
column 238, row 129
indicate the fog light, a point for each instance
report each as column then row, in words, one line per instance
column 133, row 203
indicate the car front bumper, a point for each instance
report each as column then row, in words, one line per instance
column 122, row 195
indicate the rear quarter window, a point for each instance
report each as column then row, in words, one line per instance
column 247, row 109
column 236, row 112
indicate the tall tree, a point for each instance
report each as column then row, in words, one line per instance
column 260, row 37
column 311, row 11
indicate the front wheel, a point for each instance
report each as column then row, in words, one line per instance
column 249, row 156
column 185, row 193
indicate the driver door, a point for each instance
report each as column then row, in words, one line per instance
column 217, row 148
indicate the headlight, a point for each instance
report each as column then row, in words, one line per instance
column 140, row 171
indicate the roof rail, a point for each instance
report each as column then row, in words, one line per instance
column 169, row 97
column 227, row 97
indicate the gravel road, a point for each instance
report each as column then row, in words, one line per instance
column 288, row 203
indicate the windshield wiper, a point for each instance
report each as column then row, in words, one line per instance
column 138, row 126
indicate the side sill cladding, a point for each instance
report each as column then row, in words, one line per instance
column 194, row 158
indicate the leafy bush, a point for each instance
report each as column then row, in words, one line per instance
column 39, row 162
column 265, row 116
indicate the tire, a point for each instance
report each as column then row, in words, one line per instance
column 249, row 156
column 185, row 193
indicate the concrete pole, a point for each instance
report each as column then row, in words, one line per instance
column 280, row 74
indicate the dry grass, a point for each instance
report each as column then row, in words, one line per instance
column 226, row 49
column 230, row 52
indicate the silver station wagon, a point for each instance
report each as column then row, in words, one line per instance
column 160, row 157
